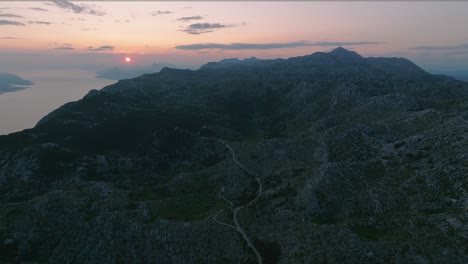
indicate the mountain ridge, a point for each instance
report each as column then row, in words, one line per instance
column 317, row 60
column 356, row 160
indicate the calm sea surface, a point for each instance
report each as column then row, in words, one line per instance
column 23, row 109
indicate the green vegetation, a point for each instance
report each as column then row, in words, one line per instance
column 193, row 198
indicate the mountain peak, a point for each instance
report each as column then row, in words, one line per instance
column 344, row 53
column 340, row 50
column 339, row 55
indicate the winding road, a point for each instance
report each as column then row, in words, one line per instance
column 236, row 210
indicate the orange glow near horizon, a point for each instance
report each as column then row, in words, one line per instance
column 133, row 34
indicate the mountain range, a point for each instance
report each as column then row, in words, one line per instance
column 324, row 158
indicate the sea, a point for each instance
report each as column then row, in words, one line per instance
column 22, row 109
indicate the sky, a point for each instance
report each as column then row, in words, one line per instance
column 95, row 35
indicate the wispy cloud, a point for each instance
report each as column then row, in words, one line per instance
column 38, row 9
column 11, row 38
column 251, row 46
column 88, row 29
column 455, row 47
column 189, row 18
column 78, row 9
column 10, row 15
column 102, row 48
column 64, row 48
column 337, row 44
column 10, row 23
column 202, row 28
column 160, row 12
column 40, row 22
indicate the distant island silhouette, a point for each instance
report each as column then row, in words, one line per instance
column 11, row 83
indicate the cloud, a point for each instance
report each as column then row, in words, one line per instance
column 10, row 15
column 10, row 23
column 40, row 22
column 187, row 19
column 78, row 9
column 10, row 38
column 159, row 12
column 337, row 44
column 88, row 29
column 102, row 48
column 455, row 47
column 64, row 48
column 250, row 46
column 201, row 28
column 38, row 9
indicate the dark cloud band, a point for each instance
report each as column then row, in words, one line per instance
column 190, row 18
column 10, row 15
column 201, row 28
column 250, row 46
column 429, row 48
column 40, row 22
column 78, row 9
column 10, row 23
column 38, row 9
column 102, row 48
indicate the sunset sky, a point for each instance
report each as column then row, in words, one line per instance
column 100, row 34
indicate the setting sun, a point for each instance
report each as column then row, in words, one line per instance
column 128, row 59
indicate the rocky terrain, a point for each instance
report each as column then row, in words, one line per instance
column 330, row 158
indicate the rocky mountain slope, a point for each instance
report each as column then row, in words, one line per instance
column 330, row 158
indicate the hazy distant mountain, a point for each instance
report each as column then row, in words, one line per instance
column 324, row 158
column 10, row 83
column 459, row 75
column 120, row 73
